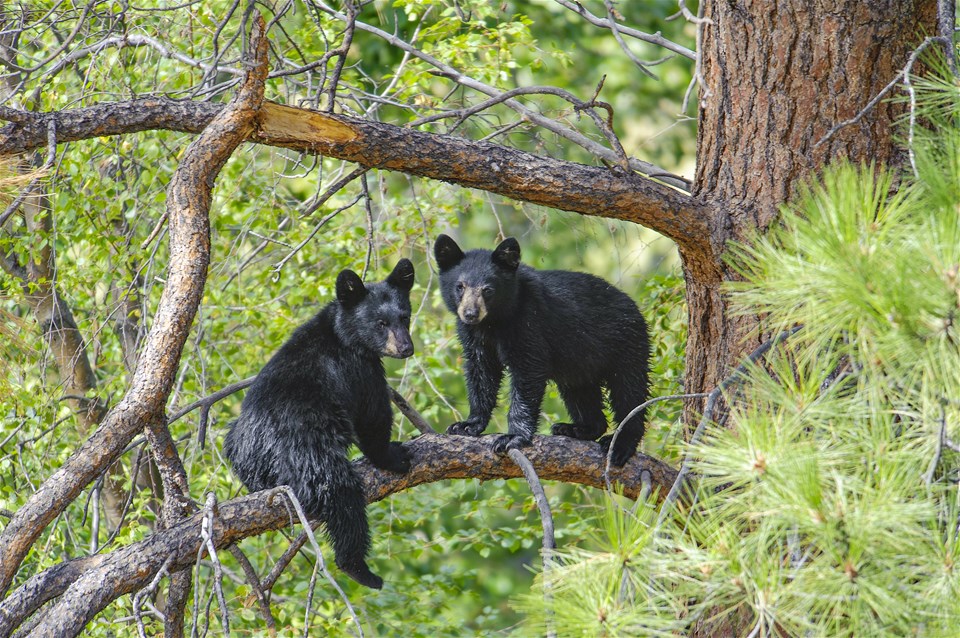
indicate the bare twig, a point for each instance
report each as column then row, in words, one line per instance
column 262, row 598
column 630, row 415
column 908, row 85
column 615, row 30
column 546, row 520
column 368, row 209
column 411, row 413
column 127, row 502
column 546, row 517
column 605, row 125
column 603, row 23
column 316, row 229
column 206, row 534
column 208, row 401
column 688, row 16
column 697, row 79
column 288, row 555
column 310, row 208
column 341, row 54
column 140, row 596
column 530, row 115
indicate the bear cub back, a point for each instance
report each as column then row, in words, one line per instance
column 322, row 391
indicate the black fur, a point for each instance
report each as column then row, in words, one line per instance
column 323, row 390
column 569, row 327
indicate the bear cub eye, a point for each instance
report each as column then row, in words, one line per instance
column 460, row 286
column 487, row 292
column 381, row 324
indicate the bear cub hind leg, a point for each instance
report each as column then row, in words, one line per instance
column 585, row 407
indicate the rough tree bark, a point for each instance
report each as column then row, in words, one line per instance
column 776, row 78
column 589, row 190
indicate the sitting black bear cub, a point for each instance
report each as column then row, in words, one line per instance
column 323, row 390
column 569, row 327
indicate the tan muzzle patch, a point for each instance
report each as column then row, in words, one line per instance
column 391, row 349
column 472, row 308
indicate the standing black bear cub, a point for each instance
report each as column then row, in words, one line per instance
column 569, row 327
column 323, row 390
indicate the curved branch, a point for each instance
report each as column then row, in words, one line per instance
column 188, row 204
column 89, row 585
column 588, row 190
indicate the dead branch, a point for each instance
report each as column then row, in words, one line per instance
column 188, row 204
column 579, row 188
column 603, row 23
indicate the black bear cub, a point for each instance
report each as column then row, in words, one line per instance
column 569, row 327
column 323, row 390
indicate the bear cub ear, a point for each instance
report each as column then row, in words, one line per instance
column 402, row 276
column 507, row 254
column 447, row 252
column 350, row 288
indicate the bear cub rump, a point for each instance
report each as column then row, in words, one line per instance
column 571, row 328
column 323, row 390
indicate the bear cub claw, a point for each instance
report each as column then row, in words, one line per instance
column 467, row 428
column 507, row 442
column 577, row 431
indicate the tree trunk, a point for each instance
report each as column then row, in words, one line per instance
column 776, row 78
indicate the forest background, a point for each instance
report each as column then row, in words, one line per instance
column 459, row 557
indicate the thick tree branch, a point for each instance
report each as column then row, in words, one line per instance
column 588, row 190
column 188, row 204
column 88, row 585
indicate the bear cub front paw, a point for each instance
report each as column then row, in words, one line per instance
column 396, row 459
column 470, row 427
column 399, row 459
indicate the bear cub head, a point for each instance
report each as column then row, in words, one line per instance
column 479, row 285
column 376, row 317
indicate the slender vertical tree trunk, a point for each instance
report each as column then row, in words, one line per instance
column 777, row 77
